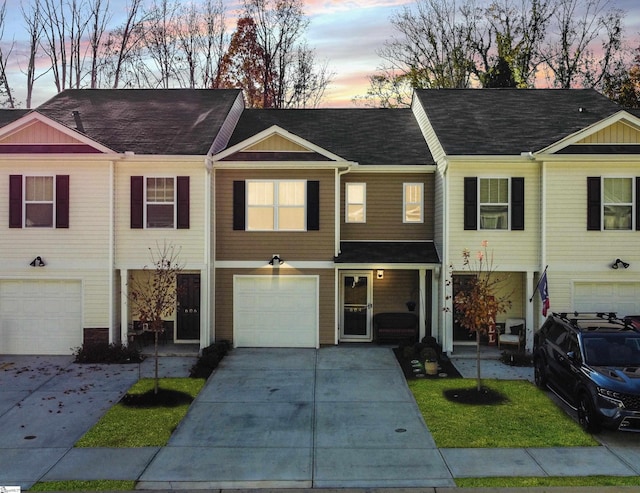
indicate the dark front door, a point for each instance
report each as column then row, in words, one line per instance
column 188, row 316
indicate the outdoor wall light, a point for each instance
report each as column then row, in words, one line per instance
column 276, row 260
column 619, row 263
column 37, row 262
column 380, row 274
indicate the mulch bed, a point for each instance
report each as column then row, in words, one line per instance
column 471, row 395
column 164, row 398
column 445, row 367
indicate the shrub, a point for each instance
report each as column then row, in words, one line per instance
column 107, row 353
column 209, row 359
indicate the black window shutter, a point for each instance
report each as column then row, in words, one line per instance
column 15, row 201
column 313, row 206
column 239, row 193
column 470, row 203
column 62, row 201
column 137, row 202
column 183, row 202
column 594, row 209
column 517, row 204
column 637, row 203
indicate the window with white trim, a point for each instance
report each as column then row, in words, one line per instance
column 617, row 203
column 276, row 205
column 39, row 200
column 413, row 203
column 160, row 201
column 494, row 203
column 355, row 210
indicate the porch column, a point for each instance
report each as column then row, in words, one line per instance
column 124, row 306
column 435, row 307
column 422, row 274
column 529, row 312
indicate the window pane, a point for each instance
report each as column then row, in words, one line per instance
column 260, row 218
column 39, row 215
column 617, row 191
column 355, row 213
column 39, row 188
column 159, row 216
column 160, row 189
column 291, row 193
column 494, row 217
column 494, row 190
column 617, row 217
column 413, row 196
column 355, row 193
column 260, row 193
column 291, row 218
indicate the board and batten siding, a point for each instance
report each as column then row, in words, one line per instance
column 224, row 299
column 512, row 250
column 618, row 133
column 79, row 252
column 384, row 208
column 39, row 133
column 132, row 245
column 290, row 245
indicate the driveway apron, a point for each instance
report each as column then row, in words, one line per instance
column 299, row 418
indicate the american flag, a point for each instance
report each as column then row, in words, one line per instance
column 543, row 289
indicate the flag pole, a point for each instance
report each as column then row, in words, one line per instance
column 535, row 290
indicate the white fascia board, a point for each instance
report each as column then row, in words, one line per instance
column 34, row 116
column 276, row 130
column 400, row 168
column 286, row 165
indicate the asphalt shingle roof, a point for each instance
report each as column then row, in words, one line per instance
column 145, row 121
column 8, row 116
column 403, row 252
column 367, row 136
column 510, row 121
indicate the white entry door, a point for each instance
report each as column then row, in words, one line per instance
column 355, row 315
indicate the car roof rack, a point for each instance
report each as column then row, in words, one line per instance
column 610, row 318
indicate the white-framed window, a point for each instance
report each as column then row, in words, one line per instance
column 617, row 203
column 276, row 205
column 494, row 203
column 355, row 209
column 160, row 202
column 413, row 203
column 39, row 200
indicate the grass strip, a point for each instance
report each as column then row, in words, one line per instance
column 568, row 481
column 126, row 426
column 96, row 485
column 527, row 419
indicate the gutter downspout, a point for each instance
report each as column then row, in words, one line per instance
column 209, row 254
column 336, row 250
column 111, row 261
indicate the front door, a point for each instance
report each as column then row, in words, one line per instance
column 188, row 309
column 355, row 316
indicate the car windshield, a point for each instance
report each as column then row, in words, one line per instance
column 621, row 349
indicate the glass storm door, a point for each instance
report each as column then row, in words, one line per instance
column 355, row 323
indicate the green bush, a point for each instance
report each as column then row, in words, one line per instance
column 107, row 353
column 209, row 360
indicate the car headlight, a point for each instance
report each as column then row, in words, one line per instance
column 611, row 396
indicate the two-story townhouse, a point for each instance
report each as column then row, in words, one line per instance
column 96, row 180
column 548, row 179
column 323, row 218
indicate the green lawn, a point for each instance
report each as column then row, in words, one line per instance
column 527, row 419
column 125, row 426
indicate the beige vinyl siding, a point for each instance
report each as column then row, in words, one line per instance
column 252, row 245
column 224, row 299
column 132, row 245
column 391, row 293
column 384, row 207
column 39, row 133
column 512, row 250
column 618, row 133
column 80, row 252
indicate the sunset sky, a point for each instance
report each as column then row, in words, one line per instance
column 345, row 33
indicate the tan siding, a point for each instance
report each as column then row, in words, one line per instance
column 132, row 245
column 618, row 133
column 392, row 293
column 276, row 143
column 384, row 208
column 39, row 133
column 224, row 300
column 251, row 245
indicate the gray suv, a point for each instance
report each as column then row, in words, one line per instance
column 592, row 362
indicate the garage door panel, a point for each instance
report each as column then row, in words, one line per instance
column 622, row 298
column 40, row 317
column 276, row 311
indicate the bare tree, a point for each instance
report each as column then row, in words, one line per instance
column 578, row 25
column 387, row 89
column 99, row 16
column 33, row 21
column 214, row 42
column 5, row 88
column 161, row 42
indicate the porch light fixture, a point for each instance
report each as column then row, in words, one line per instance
column 619, row 263
column 276, row 260
column 37, row 262
column 380, row 274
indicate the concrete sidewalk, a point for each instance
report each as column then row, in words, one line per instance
column 339, row 417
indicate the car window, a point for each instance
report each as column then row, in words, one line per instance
column 613, row 350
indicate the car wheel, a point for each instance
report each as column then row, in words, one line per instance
column 540, row 374
column 587, row 415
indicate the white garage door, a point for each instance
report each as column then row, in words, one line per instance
column 40, row 317
column 622, row 298
column 275, row 311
